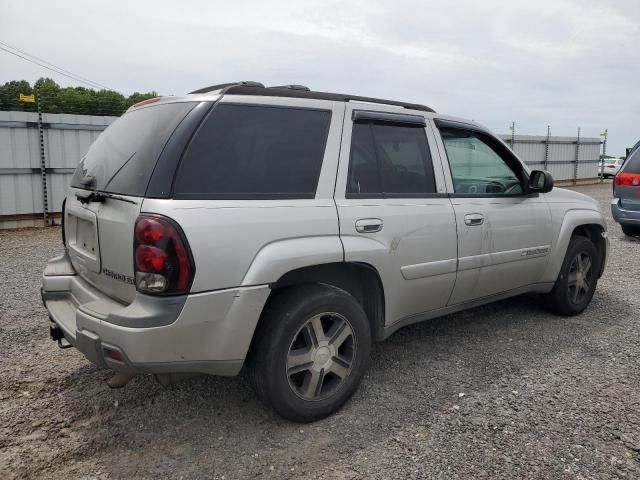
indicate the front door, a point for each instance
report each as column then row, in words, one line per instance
column 504, row 234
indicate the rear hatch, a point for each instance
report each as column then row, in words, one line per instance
column 106, row 195
column 627, row 183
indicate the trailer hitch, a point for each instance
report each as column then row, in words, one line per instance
column 58, row 335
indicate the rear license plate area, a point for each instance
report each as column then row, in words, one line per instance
column 81, row 227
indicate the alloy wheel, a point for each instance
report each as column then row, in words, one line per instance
column 580, row 277
column 320, row 356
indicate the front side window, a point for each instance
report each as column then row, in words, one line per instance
column 247, row 152
column 476, row 167
column 389, row 160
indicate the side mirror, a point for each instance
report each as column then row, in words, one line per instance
column 540, row 182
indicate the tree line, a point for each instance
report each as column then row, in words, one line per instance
column 77, row 100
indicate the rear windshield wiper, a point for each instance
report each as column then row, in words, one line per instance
column 100, row 197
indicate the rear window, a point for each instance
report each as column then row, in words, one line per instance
column 123, row 157
column 632, row 165
column 247, row 152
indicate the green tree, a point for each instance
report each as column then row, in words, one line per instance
column 108, row 102
column 76, row 100
column 47, row 91
column 9, row 94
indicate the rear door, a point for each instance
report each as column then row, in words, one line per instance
column 106, row 195
column 504, row 234
column 394, row 212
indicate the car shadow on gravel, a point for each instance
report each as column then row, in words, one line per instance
column 479, row 346
column 421, row 368
column 483, row 333
column 627, row 239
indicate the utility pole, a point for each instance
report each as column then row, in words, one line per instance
column 546, row 147
column 43, row 165
column 575, row 167
column 604, row 134
column 513, row 134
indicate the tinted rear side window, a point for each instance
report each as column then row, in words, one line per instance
column 123, row 157
column 246, row 152
column 389, row 160
column 632, row 165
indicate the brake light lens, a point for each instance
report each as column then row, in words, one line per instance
column 147, row 102
column 161, row 256
column 627, row 179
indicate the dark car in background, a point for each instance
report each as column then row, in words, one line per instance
column 625, row 205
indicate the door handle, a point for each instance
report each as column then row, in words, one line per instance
column 474, row 219
column 368, row 225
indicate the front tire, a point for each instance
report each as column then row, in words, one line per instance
column 577, row 280
column 310, row 351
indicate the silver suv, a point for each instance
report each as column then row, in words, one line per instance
column 285, row 230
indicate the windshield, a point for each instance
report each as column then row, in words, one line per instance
column 123, row 157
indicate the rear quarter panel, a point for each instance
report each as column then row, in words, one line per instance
column 227, row 237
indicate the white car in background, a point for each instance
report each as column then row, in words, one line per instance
column 611, row 167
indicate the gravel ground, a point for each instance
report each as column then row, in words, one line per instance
column 502, row 391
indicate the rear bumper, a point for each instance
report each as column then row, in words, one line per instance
column 205, row 333
column 622, row 215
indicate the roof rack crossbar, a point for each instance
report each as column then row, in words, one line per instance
column 293, row 87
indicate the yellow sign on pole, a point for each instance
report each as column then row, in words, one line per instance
column 27, row 98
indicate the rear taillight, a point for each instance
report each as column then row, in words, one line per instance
column 161, row 256
column 624, row 179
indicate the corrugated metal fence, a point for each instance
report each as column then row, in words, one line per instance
column 66, row 138
column 566, row 158
column 25, row 179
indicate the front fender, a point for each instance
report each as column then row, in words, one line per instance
column 282, row 256
column 572, row 219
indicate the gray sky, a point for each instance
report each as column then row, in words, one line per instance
column 550, row 62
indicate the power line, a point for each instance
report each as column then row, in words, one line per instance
column 53, row 65
column 50, row 66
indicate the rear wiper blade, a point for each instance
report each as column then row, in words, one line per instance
column 91, row 197
column 100, row 197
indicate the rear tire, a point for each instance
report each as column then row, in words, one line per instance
column 310, row 351
column 577, row 280
column 630, row 230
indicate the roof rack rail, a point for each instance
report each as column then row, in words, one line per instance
column 221, row 86
column 293, row 87
column 300, row 91
column 336, row 97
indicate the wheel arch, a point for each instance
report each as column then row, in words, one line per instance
column 587, row 223
column 594, row 232
column 360, row 280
